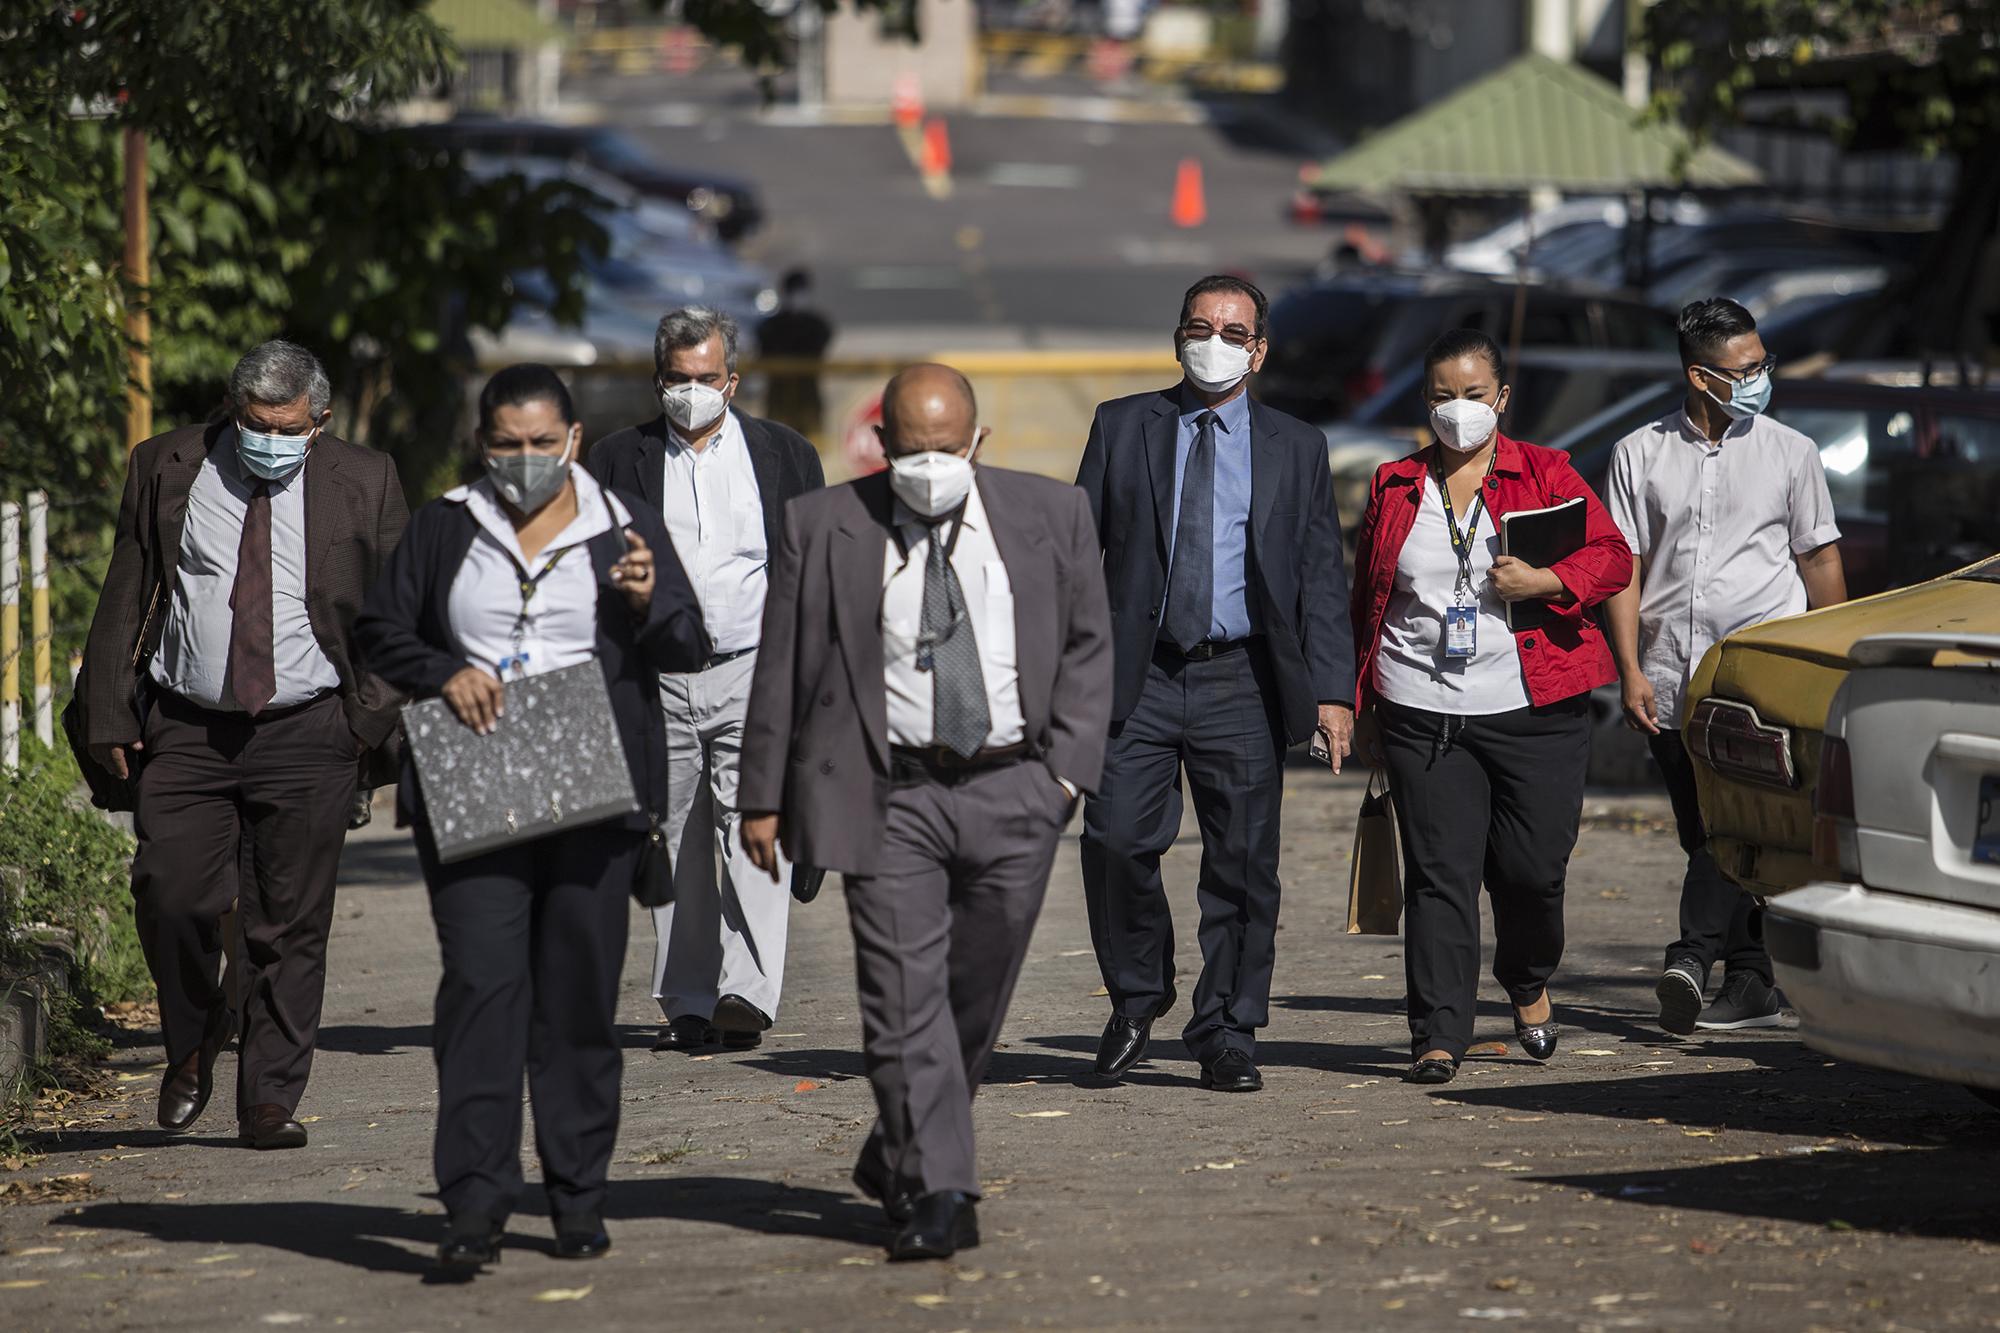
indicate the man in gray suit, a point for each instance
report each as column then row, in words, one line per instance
column 918, row 726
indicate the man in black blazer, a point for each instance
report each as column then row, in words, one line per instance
column 720, row 480
column 1231, row 641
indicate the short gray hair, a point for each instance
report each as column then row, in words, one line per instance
column 691, row 326
column 276, row 372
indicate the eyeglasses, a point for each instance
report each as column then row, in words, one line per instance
column 1200, row 331
column 1743, row 373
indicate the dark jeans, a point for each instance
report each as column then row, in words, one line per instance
column 253, row 812
column 1496, row 798
column 532, row 940
column 1719, row 921
column 1216, row 719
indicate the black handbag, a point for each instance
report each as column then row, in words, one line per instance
column 653, row 885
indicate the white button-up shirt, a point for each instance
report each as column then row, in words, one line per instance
column 193, row 658
column 715, row 514
column 989, row 604
column 498, row 631
column 1717, row 529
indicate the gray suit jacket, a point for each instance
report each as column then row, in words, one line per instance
column 816, row 742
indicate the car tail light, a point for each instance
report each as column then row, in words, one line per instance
column 1306, row 207
column 1834, row 844
column 1738, row 743
column 1364, row 384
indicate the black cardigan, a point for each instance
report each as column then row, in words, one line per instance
column 404, row 634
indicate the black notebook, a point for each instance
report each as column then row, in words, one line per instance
column 1541, row 537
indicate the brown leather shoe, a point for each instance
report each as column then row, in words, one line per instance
column 184, row 1091
column 271, row 1126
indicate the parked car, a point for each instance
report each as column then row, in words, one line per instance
column 1337, row 343
column 1757, row 708
column 729, row 204
column 1894, row 959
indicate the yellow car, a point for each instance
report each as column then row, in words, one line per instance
column 1758, row 704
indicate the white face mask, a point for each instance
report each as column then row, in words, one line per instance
column 1463, row 424
column 1213, row 365
column 693, row 407
column 933, row 483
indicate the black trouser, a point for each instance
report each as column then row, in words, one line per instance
column 221, row 794
column 1719, row 921
column 1497, row 798
column 533, row 940
column 1216, row 718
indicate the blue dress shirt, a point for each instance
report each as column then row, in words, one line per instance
column 1234, row 615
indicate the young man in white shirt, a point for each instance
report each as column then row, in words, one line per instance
column 1731, row 524
column 720, row 478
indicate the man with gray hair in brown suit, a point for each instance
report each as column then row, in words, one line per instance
column 932, row 694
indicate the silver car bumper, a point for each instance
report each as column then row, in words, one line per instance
column 1888, row 980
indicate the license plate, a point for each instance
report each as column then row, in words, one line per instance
column 1986, row 841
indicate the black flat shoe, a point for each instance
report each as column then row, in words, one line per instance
column 1232, row 1071
column 742, row 1041
column 1538, row 1039
column 735, row 1016
column 581, row 1238
column 1432, row 1071
column 896, row 1206
column 468, row 1247
column 686, row 1033
column 940, row 1225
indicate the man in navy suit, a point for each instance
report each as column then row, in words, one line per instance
column 1231, row 641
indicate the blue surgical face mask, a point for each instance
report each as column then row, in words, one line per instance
column 1747, row 398
column 272, row 457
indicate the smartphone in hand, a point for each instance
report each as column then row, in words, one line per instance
column 1320, row 751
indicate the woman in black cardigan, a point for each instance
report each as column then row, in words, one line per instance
column 531, row 569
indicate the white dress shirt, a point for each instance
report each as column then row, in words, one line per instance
column 193, row 657
column 715, row 514
column 1410, row 667
column 989, row 604
column 558, row 627
column 1717, row 529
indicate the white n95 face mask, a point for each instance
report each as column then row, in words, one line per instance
column 1463, row 424
column 1213, row 365
column 933, row 483
column 693, row 406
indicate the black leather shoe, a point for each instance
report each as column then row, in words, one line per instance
column 686, row 1033
column 735, row 1015
column 895, row 1205
column 184, row 1092
column 468, row 1246
column 1432, row 1071
column 1232, row 1071
column 742, row 1041
column 1538, row 1039
column 269, row 1126
column 1124, row 1041
column 581, row 1238
column 940, row 1225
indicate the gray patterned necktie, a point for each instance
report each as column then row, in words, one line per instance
column 1191, row 584
column 960, row 719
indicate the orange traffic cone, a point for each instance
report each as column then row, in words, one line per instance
column 906, row 103
column 937, row 150
column 1190, row 208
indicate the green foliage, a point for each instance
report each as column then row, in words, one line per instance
column 77, row 872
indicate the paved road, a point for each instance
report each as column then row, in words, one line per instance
column 1056, row 231
column 1635, row 1182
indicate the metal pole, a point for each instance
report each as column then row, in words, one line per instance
column 138, row 276
column 38, row 615
column 10, row 636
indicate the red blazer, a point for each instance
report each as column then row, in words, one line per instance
column 1560, row 660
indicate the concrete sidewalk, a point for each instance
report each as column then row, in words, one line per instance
column 1635, row 1182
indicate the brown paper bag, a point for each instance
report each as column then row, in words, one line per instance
column 1374, row 881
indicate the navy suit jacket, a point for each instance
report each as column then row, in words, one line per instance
column 1295, row 574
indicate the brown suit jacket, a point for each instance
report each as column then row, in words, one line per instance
column 355, row 514
column 816, row 739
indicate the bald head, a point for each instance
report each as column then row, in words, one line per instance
column 928, row 407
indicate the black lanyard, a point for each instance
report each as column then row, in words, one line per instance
column 1461, row 543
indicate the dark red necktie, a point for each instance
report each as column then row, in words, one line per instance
column 253, row 677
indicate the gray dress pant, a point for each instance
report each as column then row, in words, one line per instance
column 939, row 934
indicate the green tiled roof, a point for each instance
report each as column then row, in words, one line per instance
column 482, row 25
column 1535, row 122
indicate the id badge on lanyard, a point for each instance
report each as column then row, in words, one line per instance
column 1461, row 631
column 1461, row 619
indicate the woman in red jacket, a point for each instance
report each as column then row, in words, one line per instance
column 1485, row 730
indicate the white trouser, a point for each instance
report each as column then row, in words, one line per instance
column 722, row 934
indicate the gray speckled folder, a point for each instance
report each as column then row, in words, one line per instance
column 554, row 762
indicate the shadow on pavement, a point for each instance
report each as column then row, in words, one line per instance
column 1941, row 1192
column 399, row 1240
column 362, row 1039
